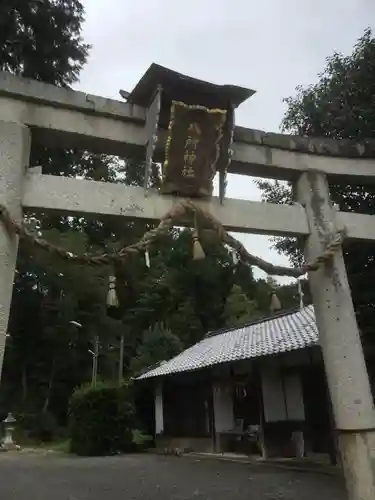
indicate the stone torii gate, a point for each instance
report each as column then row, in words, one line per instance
column 45, row 114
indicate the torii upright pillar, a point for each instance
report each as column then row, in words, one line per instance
column 344, row 362
column 14, row 158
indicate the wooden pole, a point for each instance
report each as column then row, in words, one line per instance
column 262, row 421
column 95, row 361
column 340, row 341
column 211, row 409
column 14, row 158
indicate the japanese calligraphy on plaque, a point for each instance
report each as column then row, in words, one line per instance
column 192, row 149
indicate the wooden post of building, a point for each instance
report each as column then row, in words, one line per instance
column 14, row 158
column 159, row 413
column 211, row 410
column 262, row 443
column 340, row 341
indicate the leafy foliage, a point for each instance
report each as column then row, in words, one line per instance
column 101, row 420
column 158, row 344
column 37, row 427
column 238, row 308
column 42, row 39
column 46, row 356
column 339, row 105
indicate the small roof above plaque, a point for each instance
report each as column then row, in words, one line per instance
column 179, row 87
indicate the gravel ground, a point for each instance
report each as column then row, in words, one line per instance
column 151, row 477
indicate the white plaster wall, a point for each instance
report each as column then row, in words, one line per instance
column 223, row 408
column 273, row 396
column 282, row 394
column 294, row 397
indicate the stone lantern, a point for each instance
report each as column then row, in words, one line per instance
column 9, row 425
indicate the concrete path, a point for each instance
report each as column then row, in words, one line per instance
column 151, row 477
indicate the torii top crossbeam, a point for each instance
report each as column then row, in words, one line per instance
column 63, row 117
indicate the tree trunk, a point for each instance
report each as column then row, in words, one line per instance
column 24, row 384
column 50, row 386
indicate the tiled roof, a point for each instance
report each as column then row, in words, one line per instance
column 281, row 333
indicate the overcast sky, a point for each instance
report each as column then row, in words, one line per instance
column 270, row 46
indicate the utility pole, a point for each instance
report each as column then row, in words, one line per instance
column 95, row 356
column 344, row 362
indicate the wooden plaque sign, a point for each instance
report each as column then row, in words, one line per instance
column 192, row 149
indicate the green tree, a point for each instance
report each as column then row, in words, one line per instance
column 238, row 308
column 46, row 355
column 41, row 39
column 158, row 344
column 340, row 105
column 187, row 296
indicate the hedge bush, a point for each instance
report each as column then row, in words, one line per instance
column 101, row 420
column 40, row 427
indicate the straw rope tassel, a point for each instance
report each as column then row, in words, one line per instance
column 147, row 258
column 275, row 302
column 112, row 299
column 235, row 258
column 198, row 252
